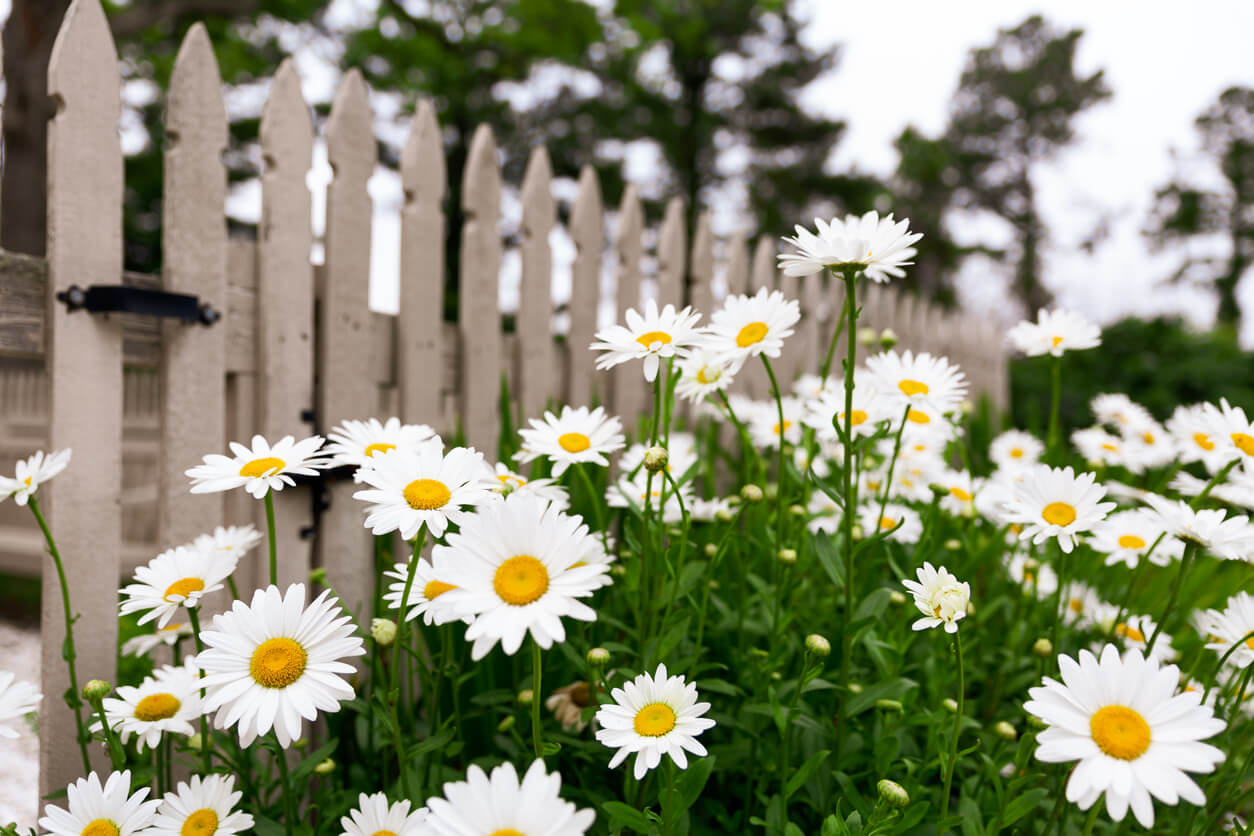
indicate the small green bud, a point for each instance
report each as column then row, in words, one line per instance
column 776, row 676
column 618, row 570
column 1036, row 722
column 1005, row 731
column 897, row 596
column 733, row 500
column 818, row 645
column 506, row 724
column 195, row 742
column 888, row 338
column 710, row 549
column 1043, row 647
column 970, row 608
column 759, row 652
column 787, row 556
column 383, row 631
column 712, row 583
column 1031, row 564
column 966, row 407
column 868, row 336
column 953, row 545
column 318, row 577
column 855, row 688
column 772, row 491
column 939, row 492
column 300, row 743
column 96, row 690
column 797, row 510
column 893, row 794
column 726, row 515
column 525, row 696
column 889, row 705
column 857, row 532
column 950, row 705
column 751, row 494
column 656, row 459
column 598, row 656
column 325, row 768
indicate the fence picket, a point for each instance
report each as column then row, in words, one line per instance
column 794, row 353
column 587, row 230
column 478, row 312
column 672, row 255
column 534, row 325
column 628, row 390
column 84, row 363
column 702, row 268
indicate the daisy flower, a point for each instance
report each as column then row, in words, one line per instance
column 274, row 661
column 374, row 816
column 96, row 810
column 811, row 387
column 1055, row 332
column 824, row 514
column 1100, row 447
column 747, row 326
column 260, row 468
column 168, row 702
column 1238, row 490
column 880, row 247
column 703, row 373
column 1231, row 538
column 1015, row 449
column 1055, row 502
column 513, row 566
column 546, row 489
column 1223, row 630
column 168, row 636
column 1148, row 446
column 961, row 490
column 1125, row 537
column 906, row 521
column 501, row 805
column 176, row 578
column 427, row 587
column 228, row 544
column 1115, row 409
column 1133, row 735
column 577, row 435
column 1230, row 430
column 824, row 412
column 636, row 491
column 650, row 338
column 17, row 699
column 940, row 597
column 1032, row 575
column 653, row 716
column 410, row 487
column 681, row 455
column 1084, row 607
column 205, row 806
column 1191, row 428
column 765, row 429
column 31, row 473
column 930, row 383
column 356, row 443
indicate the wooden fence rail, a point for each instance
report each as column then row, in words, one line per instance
column 297, row 349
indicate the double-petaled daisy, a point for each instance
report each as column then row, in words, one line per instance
column 508, row 481
column 374, row 816
column 703, row 373
column 519, row 567
column 941, row 598
column 1231, row 628
column 203, row 806
column 747, row 326
column 1015, row 449
column 577, row 435
column 31, row 473
column 274, row 661
column 1055, row 332
column 101, row 810
column 1231, row 538
column 652, row 716
column 1231, row 431
column 17, row 699
column 1133, row 735
column 1055, row 502
column 1192, row 429
column 428, row 585
column 168, row 636
column 930, row 383
column 903, row 522
column 176, row 578
column 260, row 468
column 652, row 337
column 502, row 805
column 356, row 443
column 228, row 544
column 168, row 702
column 410, row 487
column 877, row 247
column 1126, row 537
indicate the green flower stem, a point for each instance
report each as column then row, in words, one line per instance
column 892, row 465
column 289, row 799
column 952, row 763
column 117, row 755
column 683, row 545
column 230, row 584
column 705, row 594
column 393, row 692
column 808, row 671
column 779, row 456
column 745, row 441
column 831, row 345
column 1055, row 399
column 270, row 541
column 1237, row 645
column 205, row 747
column 595, row 499
column 668, row 823
column 1092, row 819
column 1190, row 550
column 1217, row 479
column 72, row 696
column 850, row 276
column 537, row 739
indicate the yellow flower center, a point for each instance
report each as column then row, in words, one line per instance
column 508, row 831
column 1120, row 732
column 1058, row 513
column 427, row 494
column 775, row 429
column 1111, row 447
column 1244, row 442
column 383, row 833
column 918, row 416
column 1203, row 440
column 960, row 494
column 1250, row 643
column 654, row 720
column 887, row 522
column 183, row 587
column 100, row 827
column 913, row 387
column 574, row 442
column 1016, row 453
column 521, row 580
column 203, row 822
column 1131, row 541
column 1147, row 437
column 277, row 663
column 434, row 589
column 26, row 481
column 262, row 467
column 857, row 417
column 1076, row 605
column 752, row 333
column 707, row 375
column 1129, row 632
column 652, row 337
column 156, row 707
column 1057, row 340
column 378, row 447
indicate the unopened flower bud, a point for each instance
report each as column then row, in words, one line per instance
column 868, row 336
column 318, row 577
column 970, row 608
column 598, row 656
column 1036, row 722
column 733, row 500
column 950, row 705
column 797, row 510
column 818, row 645
column 953, row 545
column 326, row 767
column 626, row 554
column 506, row 724
column 195, row 741
column 710, row 549
column 776, row 676
column 772, row 491
column 966, row 407
column 712, row 583
column 618, row 571
column 725, row 515
column 889, row 705
column 751, row 494
column 383, row 631
column 787, row 556
column 938, row 490
column 892, row 793
column 525, row 696
column 855, row 688
column 1005, row 731
column 1043, row 647
column 857, row 532
column 656, row 459
column 888, row 338
column 96, row 690
column 759, row 652
column 897, row 597
column 300, row 743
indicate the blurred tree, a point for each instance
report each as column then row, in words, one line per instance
column 1183, row 212
column 1014, row 107
column 925, row 187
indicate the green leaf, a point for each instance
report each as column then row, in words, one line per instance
column 1022, row 805
column 693, row 780
column 437, row 741
column 892, row 689
column 306, row 767
column 625, row 816
column 829, row 558
column 551, row 748
column 804, row 772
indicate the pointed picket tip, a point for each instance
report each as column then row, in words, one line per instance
column 630, row 216
column 587, row 210
column 671, row 237
column 423, row 172
column 84, row 60
column 763, row 274
column 481, row 185
column 195, row 105
column 702, row 265
column 350, row 129
column 286, row 121
column 537, row 185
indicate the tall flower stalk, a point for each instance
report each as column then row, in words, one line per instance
column 849, row 493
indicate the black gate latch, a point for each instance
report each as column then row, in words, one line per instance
column 107, row 298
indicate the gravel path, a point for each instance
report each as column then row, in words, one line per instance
column 19, row 759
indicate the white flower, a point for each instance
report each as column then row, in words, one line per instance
column 1055, row 332
column 940, row 597
column 228, row 544
column 1015, row 449
column 904, row 523
column 1117, row 410
column 1126, row 536
column 374, row 815
column 176, row 578
column 1191, row 427
column 961, row 490
column 260, row 468
column 1225, row 628
column 811, row 387
column 1100, row 447
column 274, row 661
column 824, row 513
column 747, row 326
column 636, row 491
column 17, row 699
column 1133, row 736
column 702, row 373
column 516, row 567
column 31, row 473
column 95, row 810
column 881, row 247
column 1084, row 607
column 824, row 412
column 166, row 702
column 1055, row 502
column 168, row 636
column 577, row 435
column 426, row 588
column 918, row 380
column 681, row 455
column 410, row 487
column 546, row 489
column 764, row 426
column 356, row 443
column 1238, row 490
column 651, row 337
column 1148, row 445
column 1136, row 631
column 652, row 716
column 501, row 805
column 707, row 510
column 1228, row 537
column 1035, row 577
column 1230, row 430
column 204, row 806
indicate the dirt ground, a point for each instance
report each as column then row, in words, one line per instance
column 19, row 759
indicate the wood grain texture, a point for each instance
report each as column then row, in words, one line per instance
column 587, row 231
column 535, row 373
column 672, row 255
column 701, row 268
column 627, row 381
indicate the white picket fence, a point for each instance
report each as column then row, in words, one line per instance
column 297, row 349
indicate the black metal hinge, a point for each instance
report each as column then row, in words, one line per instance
column 117, row 298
